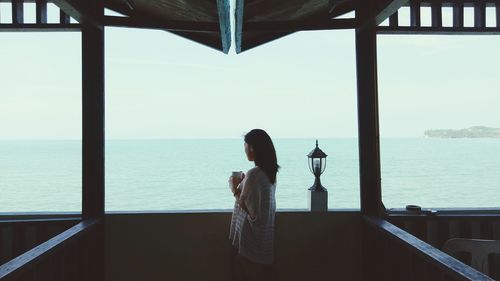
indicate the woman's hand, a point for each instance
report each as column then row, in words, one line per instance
column 234, row 182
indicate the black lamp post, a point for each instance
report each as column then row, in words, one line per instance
column 317, row 165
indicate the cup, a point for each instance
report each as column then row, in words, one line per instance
column 237, row 175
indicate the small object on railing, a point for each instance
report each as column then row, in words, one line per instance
column 414, row 208
column 318, row 195
column 429, row 212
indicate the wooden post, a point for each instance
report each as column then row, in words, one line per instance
column 368, row 138
column 41, row 11
column 479, row 14
column 93, row 138
column 458, row 14
column 17, row 11
column 415, row 13
column 93, row 121
column 368, row 128
column 437, row 14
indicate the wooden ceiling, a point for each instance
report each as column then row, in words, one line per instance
column 260, row 21
column 203, row 21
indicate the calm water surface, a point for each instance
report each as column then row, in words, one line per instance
column 192, row 174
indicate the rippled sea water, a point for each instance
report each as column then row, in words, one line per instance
column 192, row 174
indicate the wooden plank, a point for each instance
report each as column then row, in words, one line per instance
column 433, row 233
column 415, row 13
column 444, row 262
column 18, row 265
column 17, row 11
column 164, row 25
column 486, row 230
column 64, row 18
column 376, row 12
column 393, row 19
column 18, row 240
column 41, row 11
column 465, row 228
column 475, row 230
column 293, row 26
column 4, row 223
column 343, row 7
column 81, row 11
column 458, row 14
column 387, row 9
column 437, row 14
column 408, row 30
column 3, row 245
column 8, row 244
column 224, row 13
column 444, row 233
column 368, row 126
column 496, row 230
column 479, row 14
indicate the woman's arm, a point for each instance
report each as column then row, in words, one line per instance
column 249, row 194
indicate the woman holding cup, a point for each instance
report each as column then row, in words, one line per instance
column 252, row 222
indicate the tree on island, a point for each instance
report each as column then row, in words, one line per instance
column 472, row 132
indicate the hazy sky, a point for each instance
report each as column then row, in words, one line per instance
column 159, row 85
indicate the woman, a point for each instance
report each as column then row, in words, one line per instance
column 252, row 223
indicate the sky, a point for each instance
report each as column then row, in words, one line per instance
column 159, row 85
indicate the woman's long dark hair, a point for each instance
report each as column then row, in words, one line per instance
column 264, row 152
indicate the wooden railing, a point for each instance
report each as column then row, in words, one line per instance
column 397, row 255
column 436, row 25
column 436, row 228
column 19, row 235
column 18, row 20
column 67, row 256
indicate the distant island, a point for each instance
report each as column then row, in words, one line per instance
column 472, row 132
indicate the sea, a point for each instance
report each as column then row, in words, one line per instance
column 192, row 174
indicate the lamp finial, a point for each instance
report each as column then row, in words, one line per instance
column 316, row 143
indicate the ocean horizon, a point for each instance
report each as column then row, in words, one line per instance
column 191, row 174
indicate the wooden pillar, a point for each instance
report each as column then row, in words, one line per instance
column 368, row 138
column 93, row 139
column 368, row 127
column 93, row 121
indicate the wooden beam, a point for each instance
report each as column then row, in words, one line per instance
column 368, row 127
column 409, row 30
column 387, row 8
column 33, row 27
column 224, row 13
column 64, row 18
column 23, row 262
column 343, row 7
column 293, row 26
column 31, row 222
column 80, row 11
column 452, row 267
column 163, row 25
column 393, row 19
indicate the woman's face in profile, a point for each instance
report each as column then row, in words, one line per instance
column 249, row 152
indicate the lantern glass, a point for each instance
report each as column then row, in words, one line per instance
column 317, row 161
column 317, row 165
